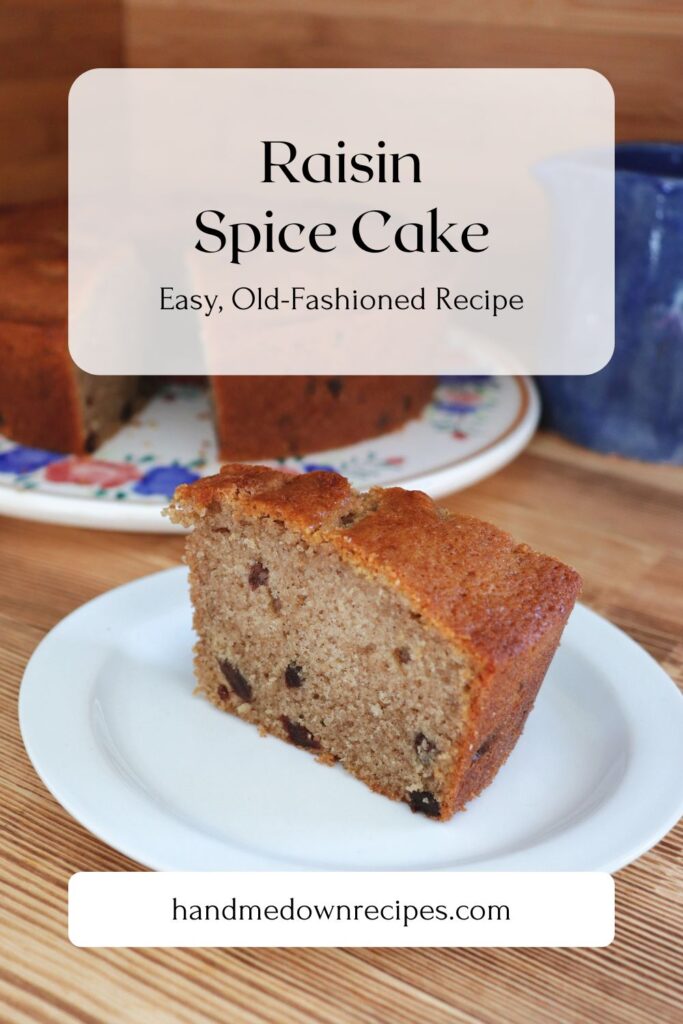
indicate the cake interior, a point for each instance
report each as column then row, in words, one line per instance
column 300, row 643
column 106, row 403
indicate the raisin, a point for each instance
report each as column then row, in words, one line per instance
column 91, row 442
column 483, row 749
column 424, row 748
column 258, row 575
column 223, row 692
column 348, row 519
column 383, row 421
column 424, row 802
column 236, row 679
column 334, row 386
column 403, row 655
column 299, row 734
column 293, row 675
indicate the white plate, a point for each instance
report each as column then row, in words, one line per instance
column 111, row 724
column 472, row 427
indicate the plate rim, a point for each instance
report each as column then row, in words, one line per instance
column 86, row 512
column 147, row 852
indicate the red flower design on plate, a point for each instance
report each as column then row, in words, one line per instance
column 79, row 470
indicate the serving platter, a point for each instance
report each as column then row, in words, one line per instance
column 472, row 427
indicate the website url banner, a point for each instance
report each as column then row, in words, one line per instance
column 341, row 909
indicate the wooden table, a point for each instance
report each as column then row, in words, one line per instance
column 619, row 523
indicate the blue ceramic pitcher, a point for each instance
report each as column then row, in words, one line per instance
column 634, row 406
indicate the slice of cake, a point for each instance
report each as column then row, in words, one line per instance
column 374, row 629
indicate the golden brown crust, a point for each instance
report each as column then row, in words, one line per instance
column 489, row 594
column 277, row 417
column 39, row 402
column 45, row 400
column 499, row 602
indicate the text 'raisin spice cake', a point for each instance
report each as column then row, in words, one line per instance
column 373, row 629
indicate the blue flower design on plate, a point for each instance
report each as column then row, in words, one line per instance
column 164, row 480
column 447, row 406
column 314, row 467
column 26, row 460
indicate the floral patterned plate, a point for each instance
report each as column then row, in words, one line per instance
column 472, row 427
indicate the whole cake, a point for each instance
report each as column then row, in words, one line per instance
column 373, row 629
column 46, row 401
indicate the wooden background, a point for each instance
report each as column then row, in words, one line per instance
column 45, row 44
column 619, row 523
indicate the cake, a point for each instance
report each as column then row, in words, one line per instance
column 46, row 401
column 376, row 629
column 275, row 417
